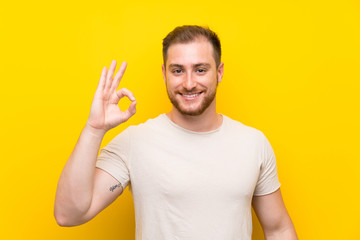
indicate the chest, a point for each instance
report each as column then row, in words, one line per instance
column 194, row 168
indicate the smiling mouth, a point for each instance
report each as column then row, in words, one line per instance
column 190, row 96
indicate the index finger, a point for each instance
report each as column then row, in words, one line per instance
column 118, row 76
column 125, row 92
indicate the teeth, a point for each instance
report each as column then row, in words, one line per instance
column 190, row 96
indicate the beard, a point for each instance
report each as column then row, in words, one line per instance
column 189, row 111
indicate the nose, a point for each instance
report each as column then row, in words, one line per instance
column 189, row 82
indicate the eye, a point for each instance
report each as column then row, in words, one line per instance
column 201, row 70
column 177, row 71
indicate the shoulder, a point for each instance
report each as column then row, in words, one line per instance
column 150, row 126
column 251, row 137
column 135, row 133
column 237, row 128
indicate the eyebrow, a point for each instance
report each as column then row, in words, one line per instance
column 176, row 65
column 195, row 65
column 202, row 65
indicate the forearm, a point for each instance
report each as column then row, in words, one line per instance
column 75, row 186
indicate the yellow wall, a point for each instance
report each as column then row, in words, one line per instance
column 291, row 70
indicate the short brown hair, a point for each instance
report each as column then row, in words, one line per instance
column 189, row 33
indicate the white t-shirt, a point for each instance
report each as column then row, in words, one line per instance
column 192, row 185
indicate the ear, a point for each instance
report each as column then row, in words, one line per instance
column 163, row 72
column 220, row 71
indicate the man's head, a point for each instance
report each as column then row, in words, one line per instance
column 191, row 70
column 189, row 33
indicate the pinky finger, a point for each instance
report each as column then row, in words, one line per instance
column 102, row 80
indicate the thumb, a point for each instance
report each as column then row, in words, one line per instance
column 130, row 111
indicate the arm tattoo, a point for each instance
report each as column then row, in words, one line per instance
column 114, row 187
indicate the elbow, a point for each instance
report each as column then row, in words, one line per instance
column 281, row 232
column 66, row 215
column 65, row 221
column 61, row 221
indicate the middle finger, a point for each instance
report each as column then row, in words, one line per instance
column 110, row 74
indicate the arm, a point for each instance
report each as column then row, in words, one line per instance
column 84, row 190
column 273, row 217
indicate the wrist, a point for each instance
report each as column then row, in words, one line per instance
column 94, row 131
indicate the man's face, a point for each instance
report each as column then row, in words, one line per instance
column 191, row 76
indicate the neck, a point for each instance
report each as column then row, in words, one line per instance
column 207, row 121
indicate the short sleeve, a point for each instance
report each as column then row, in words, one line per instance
column 114, row 158
column 268, row 181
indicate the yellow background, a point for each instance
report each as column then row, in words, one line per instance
column 291, row 70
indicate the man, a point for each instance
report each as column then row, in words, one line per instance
column 193, row 173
